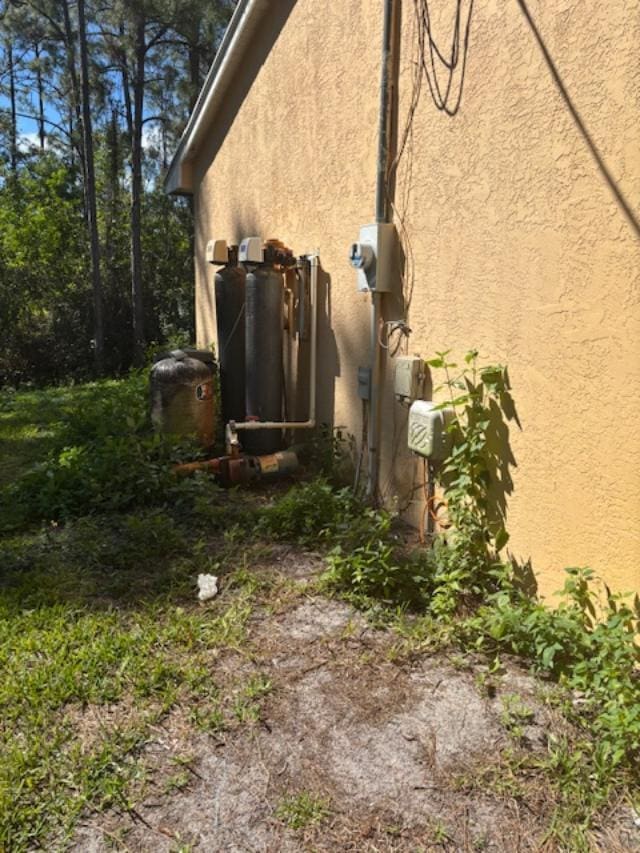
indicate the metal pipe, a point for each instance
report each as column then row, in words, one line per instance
column 385, row 115
column 313, row 359
column 383, row 214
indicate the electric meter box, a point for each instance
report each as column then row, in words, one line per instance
column 375, row 257
column 409, row 377
column 428, row 430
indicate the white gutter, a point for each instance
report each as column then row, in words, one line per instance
column 238, row 35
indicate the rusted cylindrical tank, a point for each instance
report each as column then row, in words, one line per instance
column 182, row 396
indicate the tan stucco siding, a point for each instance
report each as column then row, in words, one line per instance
column 519, row 247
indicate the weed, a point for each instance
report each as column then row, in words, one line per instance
column 176, row 782
column 515, row 715
column 330, row 454
column 299, row 811
column 246, row 705
column 486, row 684
column 474, row 478
column 63, row 648
column 440, row 833
column 208, row 719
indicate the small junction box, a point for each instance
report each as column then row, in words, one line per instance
column 409, row 378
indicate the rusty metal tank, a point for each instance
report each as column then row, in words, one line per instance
column 183, row 400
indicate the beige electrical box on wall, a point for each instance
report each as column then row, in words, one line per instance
column 409, row 377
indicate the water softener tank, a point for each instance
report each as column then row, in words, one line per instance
column 182, row 395
column 230, row 311
column 264, row 360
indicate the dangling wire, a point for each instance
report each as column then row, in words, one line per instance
column 430, row 522
column 393, row 327
column 427, row 56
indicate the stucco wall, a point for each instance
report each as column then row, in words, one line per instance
column 519, row 247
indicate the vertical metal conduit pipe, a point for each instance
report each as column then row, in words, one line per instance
column 383, row 214
column 314, row 262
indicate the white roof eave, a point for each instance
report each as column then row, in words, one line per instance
column 238, row 35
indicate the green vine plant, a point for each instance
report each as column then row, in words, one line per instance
column 588, row 642
column 475, row 479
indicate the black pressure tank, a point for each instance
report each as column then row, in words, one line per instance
column 264, row 364
column 230, row 310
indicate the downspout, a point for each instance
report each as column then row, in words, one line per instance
column 383, row 214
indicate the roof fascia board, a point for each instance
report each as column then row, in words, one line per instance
column 243, row 24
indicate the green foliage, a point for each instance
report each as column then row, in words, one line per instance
column 104, row 457
column 64, row 644
column 46, row 300
column 588, row 643
column 44, row 276
column 54, row 662
column 369, row 563
column 330, row 455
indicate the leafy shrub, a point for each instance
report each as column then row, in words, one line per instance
column 589, row 645
column 100, row 410
column 105, row 458
column 330, row 454
column 311, row 513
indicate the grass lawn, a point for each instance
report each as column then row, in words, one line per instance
column 125, row 704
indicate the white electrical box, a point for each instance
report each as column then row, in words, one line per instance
column 409, row 377
column 375, row 257
column 217, row 252
column 428, row 430
column 251, row 251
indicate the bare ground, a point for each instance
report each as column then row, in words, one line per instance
column 405, row 751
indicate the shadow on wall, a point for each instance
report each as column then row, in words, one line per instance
column 328, row 362
column 261, row 44
column 619, row 196
column 244, row 226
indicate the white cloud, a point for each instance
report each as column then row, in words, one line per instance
column 28, row 141
column 151, row 136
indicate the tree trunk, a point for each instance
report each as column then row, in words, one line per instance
column 113, row 188
column 73, row 77
column 90, row 193
column 136, row 190
column 41, row 128
column 13, row 141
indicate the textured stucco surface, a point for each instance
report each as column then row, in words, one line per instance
column 519, row 246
